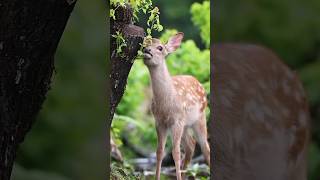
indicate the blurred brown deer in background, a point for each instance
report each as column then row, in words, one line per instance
column 178, row 103
column 260, row 126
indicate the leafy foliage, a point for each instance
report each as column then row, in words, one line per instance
column 195, row 170
column 201, row 18
column 288, row 27
column 119, row 172
column 138, row 6
column 310, row 74
column 154, row 22
column 120, row 41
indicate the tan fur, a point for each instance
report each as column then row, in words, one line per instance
column 261, row 118
column 178, row 104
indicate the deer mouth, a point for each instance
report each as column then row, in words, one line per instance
column 147, row 55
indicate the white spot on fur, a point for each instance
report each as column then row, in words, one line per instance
column 285, row 87
column 262, row 85
column 303, row 118
column 297, row 96
column 204, row 98
column 234, row 84
column 267, row 111
column 184, row 104
column 274, row 67
column 253, row 110
column 290, row 74
column 285, row 112
column 226, row 101
column 273, row 84
column 228, row 92
column 291, row 137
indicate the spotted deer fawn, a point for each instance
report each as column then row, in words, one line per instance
column 261, row 118
column 178, row 103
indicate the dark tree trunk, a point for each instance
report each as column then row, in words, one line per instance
column 29, row 34
column 121, row 63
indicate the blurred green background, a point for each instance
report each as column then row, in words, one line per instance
column 67, row 139
column 291, row 28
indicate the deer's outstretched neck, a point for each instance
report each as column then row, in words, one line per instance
column 161, row 82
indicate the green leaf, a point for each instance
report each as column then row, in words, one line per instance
column 160, row 27
column 112, row 14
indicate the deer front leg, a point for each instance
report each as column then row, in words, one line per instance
column 162, row 137
column 177, row 131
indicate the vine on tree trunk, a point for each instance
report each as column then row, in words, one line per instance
column 137, row 6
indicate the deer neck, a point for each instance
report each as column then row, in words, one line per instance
column 162, row 86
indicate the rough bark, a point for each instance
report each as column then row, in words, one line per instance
column 121, row 63
column 29, row 34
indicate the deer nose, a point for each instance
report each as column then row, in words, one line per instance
column 146, row 50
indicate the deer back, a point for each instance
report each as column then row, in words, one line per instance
column 261, row 121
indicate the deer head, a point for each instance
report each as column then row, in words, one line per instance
column 155, row 52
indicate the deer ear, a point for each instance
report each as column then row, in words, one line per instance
column 174, row 42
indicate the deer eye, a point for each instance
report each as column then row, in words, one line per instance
column 159, row 48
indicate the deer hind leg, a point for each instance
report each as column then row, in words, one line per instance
column 200, row 130
column 162, row 138
column 189, row 143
